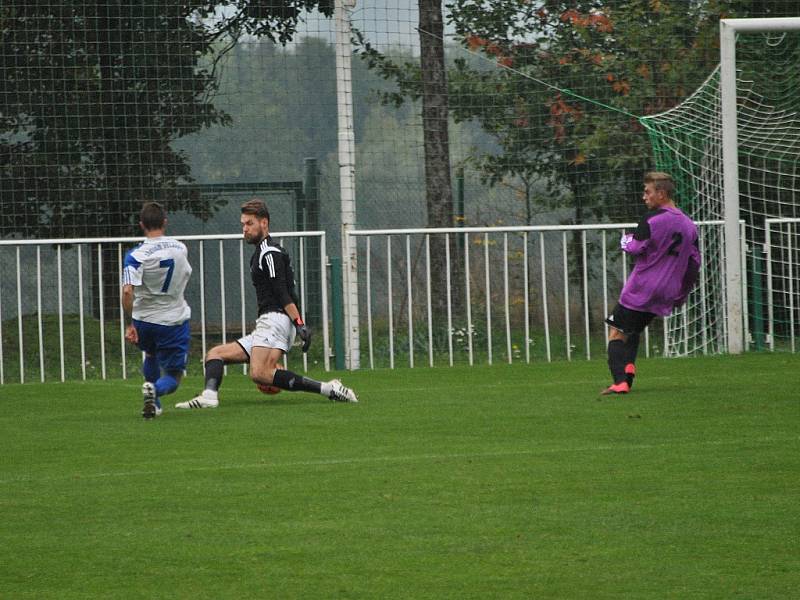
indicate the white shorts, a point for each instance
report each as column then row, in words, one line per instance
column 273, row 330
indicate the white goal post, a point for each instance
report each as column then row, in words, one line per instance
column 730, row 160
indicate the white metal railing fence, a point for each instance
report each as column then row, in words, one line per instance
column 782, row 255
column 513, row 293
column 562, row 274
column 46, row 280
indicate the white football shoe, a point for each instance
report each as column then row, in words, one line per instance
column 201, row 401
column 339, row 393
column 150, row 409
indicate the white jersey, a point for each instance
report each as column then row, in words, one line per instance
column 159, row 269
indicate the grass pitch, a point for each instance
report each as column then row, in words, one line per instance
column 505, row 481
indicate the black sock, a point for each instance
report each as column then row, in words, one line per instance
column 616, row 360
column 631, row 348
column 215, row 369
column 286, row 380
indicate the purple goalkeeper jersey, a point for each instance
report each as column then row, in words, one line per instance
column 667, row 262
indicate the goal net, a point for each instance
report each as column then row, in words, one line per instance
column 687, row 142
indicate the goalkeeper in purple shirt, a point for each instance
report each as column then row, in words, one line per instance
column 667, row 257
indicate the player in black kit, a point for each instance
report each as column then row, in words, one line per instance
column 278, row 322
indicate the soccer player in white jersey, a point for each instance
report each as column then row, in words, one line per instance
column 154, row 277
column 278, row 322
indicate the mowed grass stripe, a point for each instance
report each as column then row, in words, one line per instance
column 506, row 481
column 368, row 460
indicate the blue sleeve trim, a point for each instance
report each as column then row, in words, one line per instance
column 130, row 261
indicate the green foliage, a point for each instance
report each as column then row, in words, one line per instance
column 93, row 95
column 571, row 79
column 501, row 482
column 407, row 75
column 561, row 84
column 276, row 20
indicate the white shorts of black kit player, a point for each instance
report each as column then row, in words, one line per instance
column 273, row 330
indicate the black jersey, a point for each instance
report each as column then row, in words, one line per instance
column 273, row 277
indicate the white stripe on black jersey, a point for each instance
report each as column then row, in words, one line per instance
column 265, row 248
column 270, row 262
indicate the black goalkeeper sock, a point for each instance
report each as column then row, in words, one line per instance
column 292, row 382
column 616, row 360
column 215, row 369
column 631, row 348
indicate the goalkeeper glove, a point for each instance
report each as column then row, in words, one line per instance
column 304, row 332
column 627, row 238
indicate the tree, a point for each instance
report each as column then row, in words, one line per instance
column 427, row 81
column 435, row 114
column 94, row 93
column 572, row 78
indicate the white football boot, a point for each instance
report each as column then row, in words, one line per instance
column 207, row 399
column 339, row 393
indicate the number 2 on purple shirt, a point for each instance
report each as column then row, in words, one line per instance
column 677, row 238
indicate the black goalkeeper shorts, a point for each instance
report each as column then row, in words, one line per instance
column 628, row 321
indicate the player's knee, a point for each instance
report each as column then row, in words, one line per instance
column 261, row 374
column 616, row 334
column 214, row 354
column 176, row 375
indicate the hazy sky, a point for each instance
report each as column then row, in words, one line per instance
column 391, row 22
